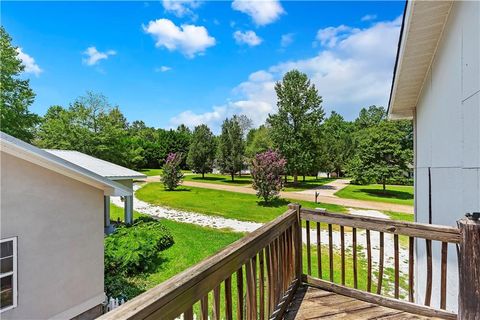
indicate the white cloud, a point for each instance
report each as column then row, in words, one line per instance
column 354, row 71
column 286, row 39
column 262, row 12
column 331, row 35
column 181, row 8
column 94, row 56
column 163, row 69
column 188, row 39
column 248, row 37
column 369, row 17
column 30, row 65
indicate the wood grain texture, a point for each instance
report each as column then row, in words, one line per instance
column 369, row 262
column 443, row 277
column 428, row 284
column 411, row 270
column 380, row 263
column 319, row 251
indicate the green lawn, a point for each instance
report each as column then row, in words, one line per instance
column 374, row 192
column 233, row 205
column 157, row 172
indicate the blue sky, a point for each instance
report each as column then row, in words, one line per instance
column 198, row 62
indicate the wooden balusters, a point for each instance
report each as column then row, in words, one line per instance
column 270, row 278
column 397, row 265
column 216, row 303
column 369, row 262
column 443, row 277
column 319, row 251
column 309, row 261
column 342, row 252
column 228, row 298
column 240, row 294
column 204, row 307
column 188, row 314
column 354, row 254
column 330, row 251
column 251, row 290
column 380, row 264
column 411, row 270
column 262, row 285
column 428, row 290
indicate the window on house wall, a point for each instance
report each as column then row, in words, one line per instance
column 8, row 273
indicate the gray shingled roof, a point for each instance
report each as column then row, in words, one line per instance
column 101, row 167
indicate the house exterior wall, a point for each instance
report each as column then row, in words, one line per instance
column 58, row 222
column 447, row 134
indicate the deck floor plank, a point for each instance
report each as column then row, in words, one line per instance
column 312, row 303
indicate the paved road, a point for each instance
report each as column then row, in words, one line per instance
column 326, row 195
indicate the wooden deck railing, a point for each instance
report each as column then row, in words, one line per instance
column 416, row 233
column 262, row 267
column 256, row 277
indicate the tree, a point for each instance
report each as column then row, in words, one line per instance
column 369, row 117
column 258, row 140
column 15, row 93
column 296, row 126
column 381, row 154
column 267, row 169
column 336, row 144
column 201, row 153
column 172, row 175
column 231, row 147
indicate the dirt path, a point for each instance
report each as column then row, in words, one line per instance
column 326, row 195
column 310, row 196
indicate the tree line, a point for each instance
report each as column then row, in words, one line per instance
column 368, row 149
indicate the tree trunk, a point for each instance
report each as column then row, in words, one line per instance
column 303, row 178
column 328, row 175
column 233, row 176
column 203, row 175
column 384, row 187
column 286, row 178
column 295, row 178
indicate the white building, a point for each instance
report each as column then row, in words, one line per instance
column 52, row 232
column 437, row 84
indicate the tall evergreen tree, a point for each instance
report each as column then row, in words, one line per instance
column 296, row 126
column 201, row 153
column 231, row 147
column 15, row 93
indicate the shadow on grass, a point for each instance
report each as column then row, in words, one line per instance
column 238, row 180
column 274, row 203
column 389, row 194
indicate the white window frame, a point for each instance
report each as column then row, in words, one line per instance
column 12, row 273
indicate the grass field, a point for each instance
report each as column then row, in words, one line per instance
column 233, row 205
column 157, row 172
column 374, row 192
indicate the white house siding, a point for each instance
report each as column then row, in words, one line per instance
column 447, row 132
column 59, row 225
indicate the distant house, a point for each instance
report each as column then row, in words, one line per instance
column 437, row 84
column 107, row 170
column 52, row 219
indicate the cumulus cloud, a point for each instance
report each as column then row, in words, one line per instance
column 286, row 40
column 262, row 12
column 30, row 65
column 181, row 8
column 93, row 56
column 369, row 17
column 163, row 69
column 331, row 35
column 350, row 72
column 248, row 37
column 188, row 39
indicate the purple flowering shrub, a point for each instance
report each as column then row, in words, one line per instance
column 171, row 174
column 267, row 169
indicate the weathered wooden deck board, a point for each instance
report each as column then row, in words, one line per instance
column 313, row 303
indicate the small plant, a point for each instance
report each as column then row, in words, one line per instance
column 267, row 169
column 171, row 175
column 133, row 249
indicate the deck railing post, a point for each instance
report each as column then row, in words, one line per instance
column 298, row 241
column 469, row 269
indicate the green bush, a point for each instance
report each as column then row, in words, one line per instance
column 133, row 249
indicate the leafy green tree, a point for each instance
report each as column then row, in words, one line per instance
column 15, row 93
column 230, row 155
column 381, row 154
column 258, row 140
column 296, row 126
column 336, row 144
column 369, row 117
column 201, row 153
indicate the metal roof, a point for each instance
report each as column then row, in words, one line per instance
column 422, row 28
column 101, row 167
column 30, row 153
